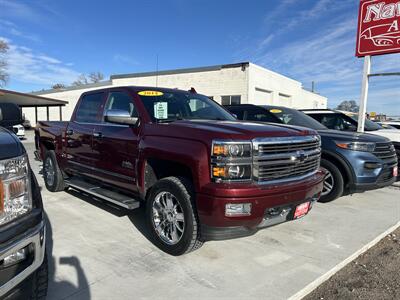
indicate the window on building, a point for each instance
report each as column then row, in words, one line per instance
column 230, row 100
column 89, row 108
column 122, row 101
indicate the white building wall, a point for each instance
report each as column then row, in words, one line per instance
column 224, row 82
column 255, row 85
column 268, row 87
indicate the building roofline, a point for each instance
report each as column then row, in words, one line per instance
column 71, row 88
column 53, row 102
column 180, row 71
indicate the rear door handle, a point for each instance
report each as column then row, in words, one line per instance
column 69, row 132
column 97, row 135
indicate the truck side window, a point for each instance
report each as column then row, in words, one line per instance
column 121, row 101
column 89, row 108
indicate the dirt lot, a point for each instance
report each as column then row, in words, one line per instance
column 373, row 275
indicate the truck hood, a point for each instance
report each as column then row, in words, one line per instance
column 10, row 146
column 236, row 130
column 351, row 136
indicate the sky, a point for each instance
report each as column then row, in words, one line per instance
column 308, row 40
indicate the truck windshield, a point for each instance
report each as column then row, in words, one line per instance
column 294, row 117
column 172, row 106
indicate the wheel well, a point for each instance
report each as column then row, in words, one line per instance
column 157, row 169
column 48, row 145
column 340, row 165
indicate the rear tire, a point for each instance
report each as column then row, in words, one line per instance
column 52, row 175
column 171, row 216
column 333, row 184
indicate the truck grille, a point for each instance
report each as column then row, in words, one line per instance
column 385, row 151
column 285, row 159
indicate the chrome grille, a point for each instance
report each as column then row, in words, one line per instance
column 285, row 158
column 385, row 151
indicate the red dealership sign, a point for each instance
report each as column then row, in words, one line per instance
column 378, row 27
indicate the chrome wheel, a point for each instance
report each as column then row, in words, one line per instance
column 328, row 183
column 168, row 218
column 49, row 171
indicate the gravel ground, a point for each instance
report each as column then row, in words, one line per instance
column 373, row 275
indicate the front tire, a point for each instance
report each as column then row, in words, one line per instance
column 333, row 183
column 40, row 282
column 52, row 175
column 171, row 216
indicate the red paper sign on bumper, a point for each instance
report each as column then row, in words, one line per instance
column 378, row 27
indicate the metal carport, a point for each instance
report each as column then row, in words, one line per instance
column 29, row 100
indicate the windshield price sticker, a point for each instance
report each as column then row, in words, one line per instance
column 151, row 93
column 161, row 110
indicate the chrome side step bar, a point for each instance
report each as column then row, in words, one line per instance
column 102, row 193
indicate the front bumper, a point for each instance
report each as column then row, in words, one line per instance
column 280, row 199
column 13, row 275
column 385, row 178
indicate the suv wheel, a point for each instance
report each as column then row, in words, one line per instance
column 52, row 175
column 171, row 216
column 333, row 184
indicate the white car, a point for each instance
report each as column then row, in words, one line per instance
column 388, row 124
column 19, row 131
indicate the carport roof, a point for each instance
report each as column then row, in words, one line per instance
column 28, row 100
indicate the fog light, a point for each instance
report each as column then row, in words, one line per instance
column 237, row 209
column 372, row 165
column 14, row 257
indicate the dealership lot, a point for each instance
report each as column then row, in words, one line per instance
column 100, row 252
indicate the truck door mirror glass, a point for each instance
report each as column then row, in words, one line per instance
column 10, row 115
column 120, row 116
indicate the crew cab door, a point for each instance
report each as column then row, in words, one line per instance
column 79, row 134
column 116, row 145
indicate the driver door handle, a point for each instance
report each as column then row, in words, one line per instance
column 97, row 135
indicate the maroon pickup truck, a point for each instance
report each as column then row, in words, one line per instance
column 202, row 174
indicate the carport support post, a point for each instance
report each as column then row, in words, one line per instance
column 48, row 113
column 60, row 108
column 364, row 93
column 36, row 115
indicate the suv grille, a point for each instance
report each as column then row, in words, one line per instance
column 281, row 159
column 385, row 151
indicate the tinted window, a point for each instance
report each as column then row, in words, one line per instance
column 294, row 117
column 89, row 108
column 335, row 121
column 121, row 101
column 260, row 115
column 369, row 125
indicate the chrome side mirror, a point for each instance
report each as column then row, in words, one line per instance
column 120, row 116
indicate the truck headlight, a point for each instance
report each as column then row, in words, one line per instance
column 356, row 146
column 15, row 188
column 231, row 161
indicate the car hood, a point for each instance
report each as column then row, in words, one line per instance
column 10, row 146
column 351, row 136
column 236, row 130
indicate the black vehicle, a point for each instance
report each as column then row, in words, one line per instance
column 355, row 162
column 23, row 263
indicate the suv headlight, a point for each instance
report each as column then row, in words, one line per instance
column 15, row 188
column 357, row 146
column 231, row 161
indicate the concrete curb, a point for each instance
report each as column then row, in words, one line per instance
column 317, row 282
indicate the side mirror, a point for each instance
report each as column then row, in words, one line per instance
column 10, row 115
column 120, row 116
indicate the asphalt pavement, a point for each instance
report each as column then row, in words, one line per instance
column 97, row 251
